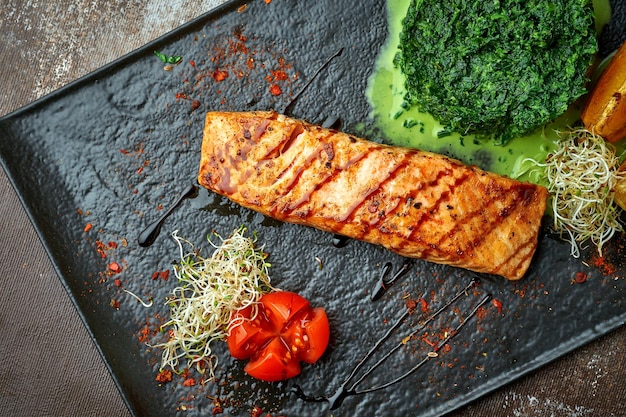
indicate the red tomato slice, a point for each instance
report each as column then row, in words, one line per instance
column 318, row 333
column 282, row 306
column 273, row 363
column 246, row 337
column 285, row 331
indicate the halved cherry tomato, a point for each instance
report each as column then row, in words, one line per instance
column 285, row 331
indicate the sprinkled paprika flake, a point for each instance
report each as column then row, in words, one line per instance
column 164, row 275
column 497, row 304
column 217, row 406
column 275, row 90
column 110, row 275
column 219, row 75
column 135, row 162
column 114, row 267
column 164, row 376
column 238, row 63
column 606, row 267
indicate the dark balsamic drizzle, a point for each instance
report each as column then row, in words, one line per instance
column 332, row 122
column 384, row 283
column 288, row 107
column 340, row 241
column 151, row 232
column 349, row 388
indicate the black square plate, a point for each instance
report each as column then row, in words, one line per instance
column 114, row 148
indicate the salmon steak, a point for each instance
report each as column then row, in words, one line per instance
column 414, row 203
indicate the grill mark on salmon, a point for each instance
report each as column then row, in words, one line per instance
column 284, row 145
column 504, row 212
column 378, row 191
column 415, row 203
column 368, row 195
column 293, row 206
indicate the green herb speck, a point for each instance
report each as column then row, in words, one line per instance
column 173, row 60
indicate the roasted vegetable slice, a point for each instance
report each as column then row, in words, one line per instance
column 605, row 110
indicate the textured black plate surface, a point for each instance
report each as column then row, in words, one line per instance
column 115, row 147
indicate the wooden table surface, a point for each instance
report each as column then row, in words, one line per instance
column 49, row 366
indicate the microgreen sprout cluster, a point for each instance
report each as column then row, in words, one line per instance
column 582, row 173
column 210, row 291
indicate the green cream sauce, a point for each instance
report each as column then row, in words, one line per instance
column 410, row 128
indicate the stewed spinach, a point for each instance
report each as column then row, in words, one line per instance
column 495, row 68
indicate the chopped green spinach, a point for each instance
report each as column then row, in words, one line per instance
column 497, row 69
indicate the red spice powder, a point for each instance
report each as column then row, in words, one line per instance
column 497, row 304
column 279, row 75
column 426, row 340
column 238, row 32
column 605, row 267
column 481, row 313
column 101, row 248
column 114, row 267
column 144, row 334
column 219, row 75
column 164, row 275
column 424, row 305
column 239, row 60
column 164, row 376
column 275, row 90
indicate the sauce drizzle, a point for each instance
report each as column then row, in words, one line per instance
column 383, row 283
column 288, row 107
column 349, row 388
column 151, row 232
column 340, row 241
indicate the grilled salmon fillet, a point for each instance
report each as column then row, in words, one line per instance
column 417, row 204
